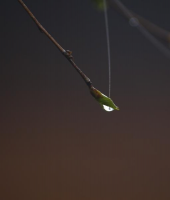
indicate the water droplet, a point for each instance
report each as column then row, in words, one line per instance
column 107, row 108
column 133, row 21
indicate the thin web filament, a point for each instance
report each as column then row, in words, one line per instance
column 108, row 44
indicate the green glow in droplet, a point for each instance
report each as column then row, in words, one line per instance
column 106, row 102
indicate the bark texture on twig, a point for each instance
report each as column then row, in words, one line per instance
column 66, row 53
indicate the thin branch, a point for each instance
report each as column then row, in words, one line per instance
column 103, row 100
column 134, row 21
column 154, row 29
column 66, row 53
column 151, row 27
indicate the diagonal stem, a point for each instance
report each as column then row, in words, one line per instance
column 134, row 21
column 66, row 53
column 151, row 27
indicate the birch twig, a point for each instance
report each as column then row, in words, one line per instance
column 66, row 53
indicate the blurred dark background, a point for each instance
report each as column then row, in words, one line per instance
column 55, row 140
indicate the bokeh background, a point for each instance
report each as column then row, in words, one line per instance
column 56, row 143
